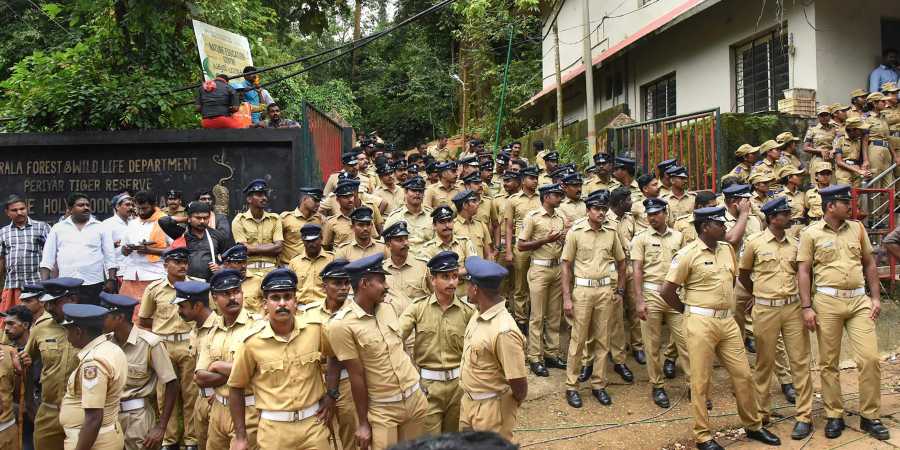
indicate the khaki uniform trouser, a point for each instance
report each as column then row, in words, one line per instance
column 591, row 309
column 520, row 302
column 707, row 338
column 507, row 287
column 9, row 438
column 443, row 406
column 851, row 316
column 110, row 440
column 202, row 408
column 651, row 330
column 843, row 176
column 48, row 433
column 221, row 427
column 745, row 324
column 137, row 423
column 396, row 421
column 184, row 366
column 345, row 416
column 307, row 434
column 261, row 272
column 624, row 329
column 785, row 322
column 546, row 310
column 879, row 160
column 497, row 414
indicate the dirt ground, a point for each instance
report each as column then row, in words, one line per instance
column 633, row 421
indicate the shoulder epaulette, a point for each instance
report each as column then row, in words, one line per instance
column 311, row 305
column 254, row 330
column 150, row 338
column 339, row 315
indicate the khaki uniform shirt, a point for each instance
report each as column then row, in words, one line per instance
column 439, row 333
column 878, row 126
column 707, row 274
column 572, row 210
column 291, row 223
column 753, row 226
column 48, row 343
column 440, row 154
column 539, row 224
column 790, row 159
column 437, row 195
column 539, row 159
column 768, row 167
column 409, row 281
column 773, row 263
column 741, row 172
column 285, row 374
column 595, row 183
column 476, row 231
column 157, row 304
column 200, row 338
column 331, row 183
column 756, row 202
column 353, row 250
column 849, row 149
column 836, row 256
column 330, row 207
column 679, row 206
column 518, row 206
column 419, row 226
column 655, row 251
column 310, row 286
column 393, row 198
column 223, row 342
column 149, row 363
column 500, row 204
column 493, row 352
column 627, row 228
column 685, row 226
column 267, row 230
column 251, row 287
column 797, row 200
column 181, row 212
column 96, row 383
column 375, row 341
column 814, row 204
column 9, row 382
column 486, row 211
column 338, row 230
column 593, row 252
column 460, row 245
column 821, row 137
column 854, row 112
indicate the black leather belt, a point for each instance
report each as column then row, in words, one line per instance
column 880, row 143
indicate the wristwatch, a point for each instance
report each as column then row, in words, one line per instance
column 333, row 393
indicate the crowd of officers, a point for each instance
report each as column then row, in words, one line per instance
column 389, row 305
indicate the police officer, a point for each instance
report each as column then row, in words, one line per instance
column 261, row 231
column 857, row 103
column 706, row 270
column 623, row 172
column 788, row 150
column 416, row 216
column 388, row 190
column 551, row 161
column 293, row 221
column 625, row 326
column 339, row 227
column 443, row 191
column 512, row 184
column 467, row 225
column 761, row 181
column 446, row 239
column 651, row 253
column 850, row 161
column 679, row 201
column 593, row 260
column 518, row 206
column 363, row 243
column 158, row 314
column 746, row 155
column 492, row 377
column 836, row 255
column 820, row 138
column 48, row 344
column 771, row 152
column 281, row 365
column 349, row 170
column 149, row 363
column 791, row 178
column 236, row 258
column 880, row 155
column 440, row 323
column 364, row 336
column 602, row 170
column 822, row 179
column 739, row 224
column 9, row 382
column 572, row 207
column 486, row 213
column 662, row 174
column 308, row 265
column 407, row 274
column 771, row 257
column 90, row 409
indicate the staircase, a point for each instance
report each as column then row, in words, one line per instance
column 876, row 208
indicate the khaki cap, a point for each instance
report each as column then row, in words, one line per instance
column 839, row 107
column 789, row 169
column 890, row 86
column 858, row 93
column 745, row 149
column 770, row 145
column 786, row 137
column 856, row 122
column 823, row 109
column 875, row 97
column 761, row 177
column 822, row 166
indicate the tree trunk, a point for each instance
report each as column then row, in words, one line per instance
column 559, row 88
column 357, row 33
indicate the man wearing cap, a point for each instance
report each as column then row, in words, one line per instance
column 215, row 357
column 349, row 170
column 679, row 201
column 623, row 172
column 740, row 223
column 851, row 162
column 791, row 178
column 443, row 191
column 362, row 244
column 365, row 337
column 771, row 258
column 746, row 156
column 839, row 119
column 493, row 380
column 338, row 228
column 650, row 188
column 445, row 239
column 174, row 207
column 261, row 231
column 594, row 262
column 142, row 247
column 788, row 149
column 492, row 181
column 469, row 226
column 388, row 189
column 706, row 269
column 512, row 184
column 292, row 221
column 551, row 162
column 467, row 167
column 148, row 364
column 761, row 181
column 309, row 264
column 236, row 258
column 21, row 245
column 542, row 235
column 48, row 345
column 771, row 152
column 406, row 272
column 822, row 179
column 281, row 365
column 819, row 138
column 414, row 214
column 662, row 174
column 880, row 156
column 486, row 213
column 518, row 207
column 572, row 207
column 651, row 253
column 857, row 103
column 836, row 255
column 158, row 314
column 601, row 175
column 439, row 322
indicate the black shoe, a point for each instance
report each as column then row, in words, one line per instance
column 554, row 363
column 750, row 345
column 573, row 398
column 624, row 372
column 834, row 428
column 660, row 398
column 602, row 396
column 639, row 357
column 669, row 368
column 875, row 428
column 586, row 371
column 539, row 369
column 801, row 431
column 710, row 445
column 790, row 394
column 765, row 436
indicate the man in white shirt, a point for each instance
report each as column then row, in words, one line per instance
column 142, row 246
column 79, row 248
column 123, row 212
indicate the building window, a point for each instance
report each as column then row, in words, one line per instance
column 659, row 98
column 761, row 72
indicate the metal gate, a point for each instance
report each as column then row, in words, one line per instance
column 326, row 137
column 694, row 139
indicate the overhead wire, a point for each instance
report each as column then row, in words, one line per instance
column 41, row 10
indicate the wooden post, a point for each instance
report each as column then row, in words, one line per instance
column 589, row 78
column 559, row 87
